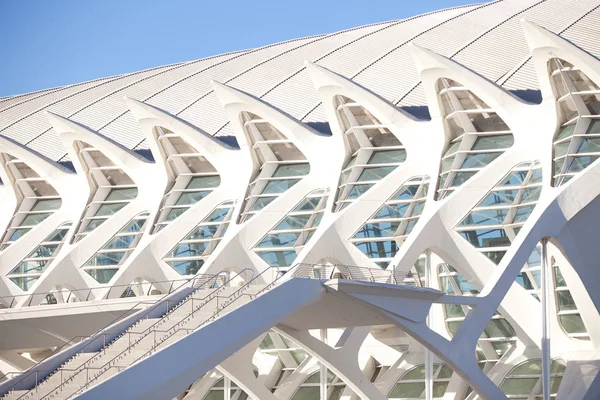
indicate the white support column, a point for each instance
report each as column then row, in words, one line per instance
column 428, row 354
column 546, row 356
column 323, row 370
column 227, row 388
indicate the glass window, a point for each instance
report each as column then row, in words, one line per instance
column 102, row 275
column 101, row 259
column 278, row 258
column 279, row 186
column 486, row 217
column 387, row 157
column 487, row 238
column 109, row 209
column 384, row 249
column 188, row 198
column 293, row 222
column 375, row 173
column 291, row 170
column 377, row 230
column 524, row 381
column 392, row 211
column 34, row 219
column 122, row 194
column 493, row 142
column 204, row 182
column 478, row 160
column 358, row 190
column 279, row 240
column 47, row 205
column 186, row 267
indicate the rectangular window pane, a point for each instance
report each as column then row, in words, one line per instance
column 109, row 209
column 106, row 259
column 387, row 157
column 204, row 182
column 291, row 170
column 278, row 258
column 46, row 205
column 279, row 186
column 122, row 194
column 374, row 174
column 487, row 238
column 187, row 267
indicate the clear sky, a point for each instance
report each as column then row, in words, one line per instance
column 49, row 43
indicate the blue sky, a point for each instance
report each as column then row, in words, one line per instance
column 49, row 43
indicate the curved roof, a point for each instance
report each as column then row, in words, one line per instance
column 484, row 37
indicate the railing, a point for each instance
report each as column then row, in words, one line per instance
column 354, row 272
column 232, row 298
column 87, row 294
column 312, row 271
column 141, row 335
column 195, row 282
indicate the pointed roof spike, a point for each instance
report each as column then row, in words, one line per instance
column 538, row 36
column 322, row 77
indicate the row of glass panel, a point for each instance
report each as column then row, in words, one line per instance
column 374, row 151
column 106, row 262
column 280, row 164
column 114, row 189
column 478, row 135
column 31, row 268
column 495, row 221
column 496, row 338
column 280, row 246
column 36, row 199
column 193, row 177
column 188, row 256
column 577, row 143
column 382, row 235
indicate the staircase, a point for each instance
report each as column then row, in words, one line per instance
column 141, row 340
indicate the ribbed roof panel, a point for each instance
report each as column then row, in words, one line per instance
column 486, row 38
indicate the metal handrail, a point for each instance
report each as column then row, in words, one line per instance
column 99, row 333
column 147, row 330
column 83, row 290
column 353, row 272
column 236, row 295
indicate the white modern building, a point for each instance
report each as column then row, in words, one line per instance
column 404, row 210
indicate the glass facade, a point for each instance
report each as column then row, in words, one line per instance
column 496, row 220
column 383, row 234
column 286, row 354
column 412, row 384
column 192, row 176
column 107, row 261
column 478, row 135
column 374, row 151
column 577, row 141
column 31, row 268
column 496, row 338
column 280, row 246
column 310, row 388
column 568, row 315
column 525, row 380
column 36, row 199
column 281, row 164
column 217, row 392
column 189, row 254
column 113, row 188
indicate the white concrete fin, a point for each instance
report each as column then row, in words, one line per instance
column 217, row 152
column 70, row 131
column 283, row 121
column 325, row 78
column 433, row 66
column 545, row 45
